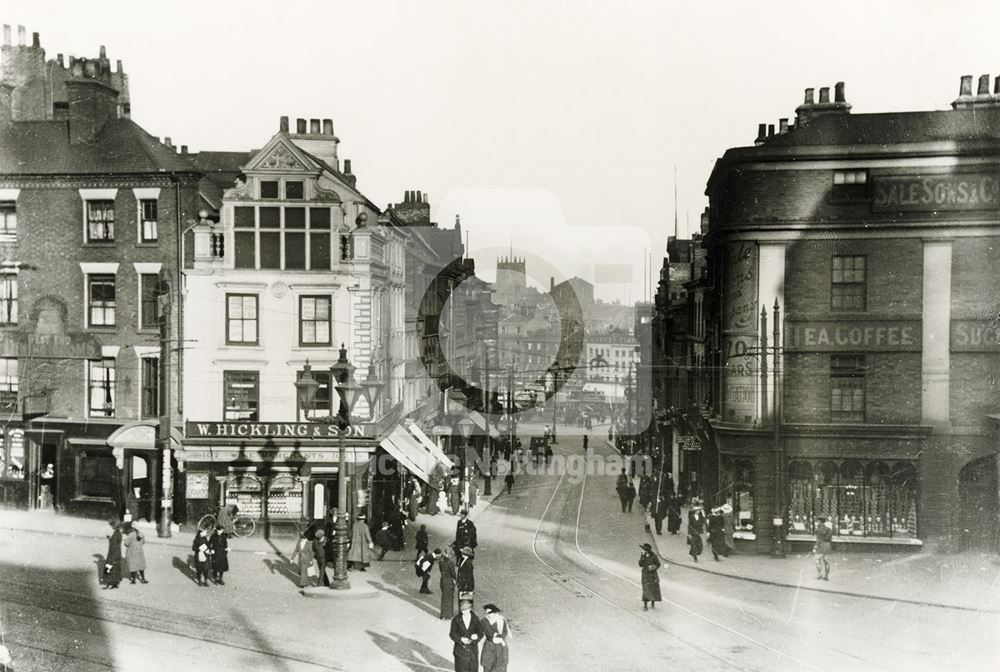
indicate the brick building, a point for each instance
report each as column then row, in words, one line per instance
column 90, row 206
column 876, row 237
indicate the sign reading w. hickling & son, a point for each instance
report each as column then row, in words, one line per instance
column 272, row 430
column 958, row 191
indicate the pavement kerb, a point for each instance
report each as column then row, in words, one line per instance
column 794, row 586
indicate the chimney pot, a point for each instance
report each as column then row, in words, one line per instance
column 118, row 65
column 770, row 130
column 810, row 100
column 838, row 93
column 996, row 86
column 328, row 127
column 6, row 33
column 104, row 52
column 965, row 88
column 824, row 95
column 35, row 40
column 314, row 126
column 347, row 166
column 184, row 149
column 166, row 141
column 984, row 85
column 761, row 132
column 59, row 60
column 20, row 35
column 283, row 124
column 300, row 126
column 783, row 125
column 420, row 197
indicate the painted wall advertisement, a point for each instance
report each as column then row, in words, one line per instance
column 739, row 328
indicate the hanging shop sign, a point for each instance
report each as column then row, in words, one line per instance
column 868, row 336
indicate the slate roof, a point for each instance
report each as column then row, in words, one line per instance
column 121, row 147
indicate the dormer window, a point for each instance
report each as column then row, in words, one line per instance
column 269, row 189
column 294, row 190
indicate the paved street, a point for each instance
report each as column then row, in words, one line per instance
column 557, row 555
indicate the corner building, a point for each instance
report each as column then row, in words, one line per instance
column 877, row 236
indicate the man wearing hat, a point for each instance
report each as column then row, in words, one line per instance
column 650, row 564
column 496, row 632
column 360, row 555
column 466, row 580
column 465, row 533
column 466, row 632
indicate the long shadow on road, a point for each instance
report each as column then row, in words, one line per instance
column 415, row 655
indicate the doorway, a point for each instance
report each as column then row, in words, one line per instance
column 48, row 477
column 979, row 504
column 322, row 496
column 140, row 493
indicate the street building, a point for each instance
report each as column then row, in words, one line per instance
column 90, row 207
column 851, row 330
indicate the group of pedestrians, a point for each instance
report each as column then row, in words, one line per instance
column 211, row 555
column 125, row 556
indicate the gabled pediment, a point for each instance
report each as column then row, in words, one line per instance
column 281, row 155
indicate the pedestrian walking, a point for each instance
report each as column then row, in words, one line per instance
column 465, row 533
column 225, row 517
column 424, row 564
column 728, row 527
column 113, row 559
column 496, row 633
column 716, row 535
column 473, row 491
column 303, row 553
column 201, row 557
column 508, row 480
column 659, row 513
column 645, row 492
column 414, row 501
column 455, row 493
column 696, row 527
column 397, row 523
column 442, row 503
column 360, row 555
column 135, row 556
column 384, row 540
column 318, row 547
column 823, row 547
column 650, row 565
column 625, row 491
column 446, row 565
column 423, row 541
column 218, row 545
column 674, row 515
column 466, row 633
column 465, row 579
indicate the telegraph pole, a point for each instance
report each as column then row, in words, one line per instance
column 488, row 485
column 779, row 453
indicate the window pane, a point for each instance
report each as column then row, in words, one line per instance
column 235, row 307
column 293, row 189
column 149, row 307
column 295, row 218
column 240, row 395
column 268, row 189
column 308, row 309
column 100, row 221
column 319, row 218
column 8, row 217
column 270, row 249
column 8, row 299
column 295, row 250
column 245, row 249
column 250, row 307
column 319, row 251
column 244, row 217
column 270, row 218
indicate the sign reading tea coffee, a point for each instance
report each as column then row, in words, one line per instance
column 868, row 336
column 961, row 191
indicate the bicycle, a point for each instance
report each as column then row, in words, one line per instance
column 243, row 525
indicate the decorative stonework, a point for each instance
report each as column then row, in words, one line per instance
column 281, row 158
column 325, row 195
column 279, row 289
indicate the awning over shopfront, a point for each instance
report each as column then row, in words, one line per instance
column 139, row 435
column 410, row 453
column 432, row 447
column 481, row 423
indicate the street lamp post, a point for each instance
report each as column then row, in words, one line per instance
column 465, row 427
column 341, row 374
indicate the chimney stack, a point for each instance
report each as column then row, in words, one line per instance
column 964, row 100
column 761, row 134
column 838, row 95
column 283, row 124
column 35, row 40
column 347, row 166
column 314, row 126
column 92, row 104
column 328, row 127
column 300, row 126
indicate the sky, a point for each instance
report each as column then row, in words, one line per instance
column 552, row 128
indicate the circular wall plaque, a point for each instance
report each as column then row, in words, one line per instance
column 279, row 289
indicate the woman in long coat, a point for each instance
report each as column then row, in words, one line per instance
column 716, row 534
column 466, row 638
column 113, row 560
column 728, row 527
column 650, row 578
column 360, row 555
column 202, row 559
column 303, row 552
column 496, row 632
column 696, row 527
column 674, row 515
column 455, row 493
column 218, row 543
column 413, row 504
column 448, row 577
column 135, row 557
